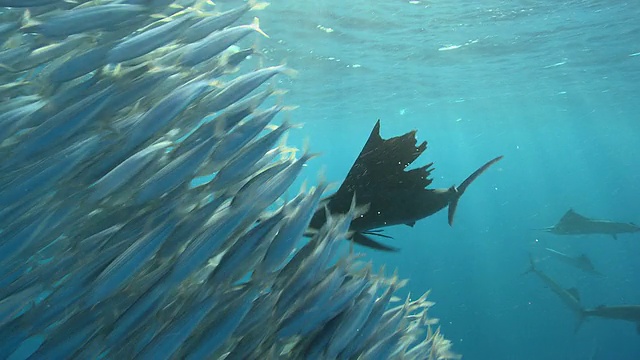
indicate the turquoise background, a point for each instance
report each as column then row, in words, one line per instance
column 550, row 85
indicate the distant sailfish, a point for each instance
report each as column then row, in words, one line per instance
column 570, row 297
column 581, row 262
column 573, row 223
column 629, row 313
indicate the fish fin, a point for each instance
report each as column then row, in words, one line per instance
column 256, row 50
column 261, row 62
column 116, row 72
column 411, row 223
column 280, row 101
column 572, row 215
column 284, row 69
column 292, row 73
column 532, row 265
column 255, row 25
column 217, row 84
column 377, row 232
column 277, row 92
column 579, row 321
column 381, row 164
column 322, row 179
column 199, row 6
column 453, row 204
column 586, row 261
column 303, row 187
column 351, row 247
column 288, row 153
column 255, row 5
column 356, row 210
column 402, row 283
column 110, row 131
column 28, row 22
column 368, row 242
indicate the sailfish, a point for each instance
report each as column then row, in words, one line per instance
column 395, row 195
column 573, row 223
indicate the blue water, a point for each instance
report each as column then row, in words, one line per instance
column 550, row 85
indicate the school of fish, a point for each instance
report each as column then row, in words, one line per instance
column 112, row 246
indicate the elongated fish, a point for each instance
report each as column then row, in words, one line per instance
column 573, row 223
column 395, row 196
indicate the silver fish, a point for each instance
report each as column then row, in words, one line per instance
column 83, row 19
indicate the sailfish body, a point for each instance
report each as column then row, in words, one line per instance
column 573, row 223
column 395, row 196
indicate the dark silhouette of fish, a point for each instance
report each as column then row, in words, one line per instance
column 581, row 262
column 395, row 196
column 622, row 312
column 573, row 223
column 570, row 297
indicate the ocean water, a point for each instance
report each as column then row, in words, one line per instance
column 549, row 85
column 552, row 86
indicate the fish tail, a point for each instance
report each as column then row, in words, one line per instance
column 582, row 314
column 254, row 5
column 255, row 25
column 532, row 266
column 27, row 22
column 453, row 204
column 284, row 69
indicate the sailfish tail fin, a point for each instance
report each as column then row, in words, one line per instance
column 532, row 266
column 580, row 320
column 453, row 204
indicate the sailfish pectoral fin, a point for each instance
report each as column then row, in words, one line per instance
column 453, row 204
column 369, row 242
column 377, row 232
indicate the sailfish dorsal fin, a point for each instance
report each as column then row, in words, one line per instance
column 572, row 215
